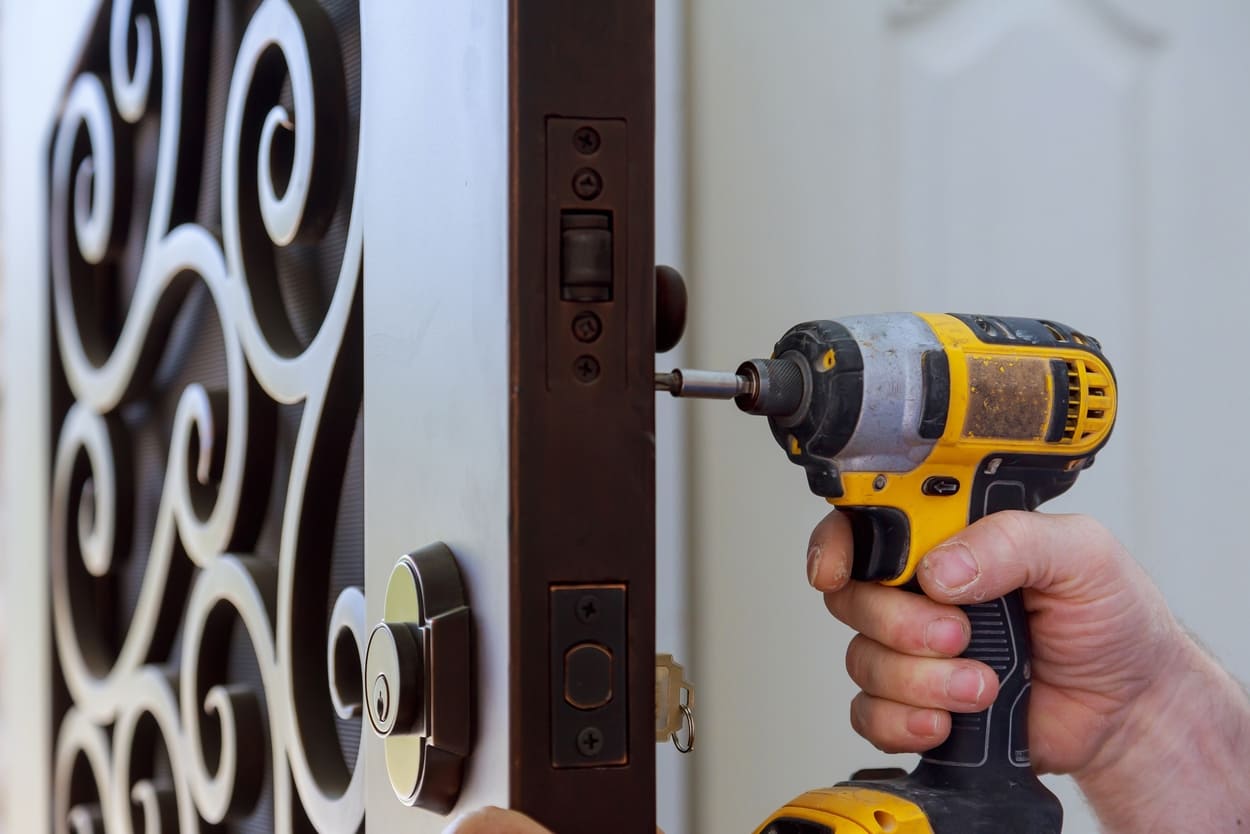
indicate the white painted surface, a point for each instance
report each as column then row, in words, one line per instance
column 1085, row 160
column 436, row 467
column 422, row 486
column 674, row 772
column 37, row 44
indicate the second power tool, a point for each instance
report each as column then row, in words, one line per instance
column 917, row 425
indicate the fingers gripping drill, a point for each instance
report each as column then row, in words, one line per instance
column 916, row 425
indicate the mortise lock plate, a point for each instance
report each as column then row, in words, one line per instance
column 418, row 679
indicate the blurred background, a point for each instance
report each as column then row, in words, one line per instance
column 1081, row 160
column 1084, row 160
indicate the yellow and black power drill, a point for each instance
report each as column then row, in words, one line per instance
column 916, row 425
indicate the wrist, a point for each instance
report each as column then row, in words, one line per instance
column 1179, row 750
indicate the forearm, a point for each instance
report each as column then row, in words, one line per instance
column 1179, row 763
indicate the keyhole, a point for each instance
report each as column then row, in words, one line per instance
column 381, row 697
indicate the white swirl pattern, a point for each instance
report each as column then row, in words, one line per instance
column 126, row 699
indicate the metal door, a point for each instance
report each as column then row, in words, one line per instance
column 309, row 285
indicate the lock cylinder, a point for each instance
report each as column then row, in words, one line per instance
column 418, row 679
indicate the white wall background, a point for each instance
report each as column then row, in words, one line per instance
column 1084, row 160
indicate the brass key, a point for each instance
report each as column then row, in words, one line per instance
column 671, row 712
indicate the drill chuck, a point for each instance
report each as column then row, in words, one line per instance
column 770, row 387
column 777, row 387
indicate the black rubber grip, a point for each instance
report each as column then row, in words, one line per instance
column 999, row 639
column 997, row 738
column 980, row 780
column 993, row 744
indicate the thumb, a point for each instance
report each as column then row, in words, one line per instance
column 491, row 820
column 1063, row 555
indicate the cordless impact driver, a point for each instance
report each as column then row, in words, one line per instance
column 916, row 425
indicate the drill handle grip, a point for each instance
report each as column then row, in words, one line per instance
column 980, row 780
column 992, row 745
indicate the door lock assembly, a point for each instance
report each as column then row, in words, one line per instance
column 418, row 679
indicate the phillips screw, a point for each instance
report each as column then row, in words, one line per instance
column 587, row 183
column 587, row 327
column 586, row 140
column 586, row 369
column 590, row 742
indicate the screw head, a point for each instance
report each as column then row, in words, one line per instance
column 588, row 608
column 587, row 327
column 586, row 369
column 381, row 699
column 589, row 741
column 586, row 140
column 587, row 183
column 878, row 482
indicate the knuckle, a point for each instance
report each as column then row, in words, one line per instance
column 1011, row 528
column 832, row 604
column 857, row 715
column 865, row 717
column 899, row 631
column 1102, row 559
column 855, row 661
column 865, row 664
column 829, row 530
column 891, row 746
column 867, row 721
column 1102, row 542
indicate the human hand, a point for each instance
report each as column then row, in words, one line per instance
column 491, row 820
column 1101, row 632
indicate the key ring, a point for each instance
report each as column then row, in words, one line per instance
column 687, row 718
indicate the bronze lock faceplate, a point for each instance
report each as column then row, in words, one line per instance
column 418, row 679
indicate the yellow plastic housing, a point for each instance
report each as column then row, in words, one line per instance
column 854, row 810
column 978, row 402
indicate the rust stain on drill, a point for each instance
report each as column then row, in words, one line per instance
column 1009, row 397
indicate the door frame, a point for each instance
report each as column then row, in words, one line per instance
column 583, row 454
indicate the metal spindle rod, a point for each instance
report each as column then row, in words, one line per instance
column 710, row 385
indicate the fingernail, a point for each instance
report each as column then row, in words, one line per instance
column 965, row 685
column 952, row 566
column 813, row 564
column 945, row 635
column 922, row 724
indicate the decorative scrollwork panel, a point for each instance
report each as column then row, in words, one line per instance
column 207, row 532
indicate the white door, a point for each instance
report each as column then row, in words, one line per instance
column 186, row 190
column 1083, row 160
column 295, row 287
